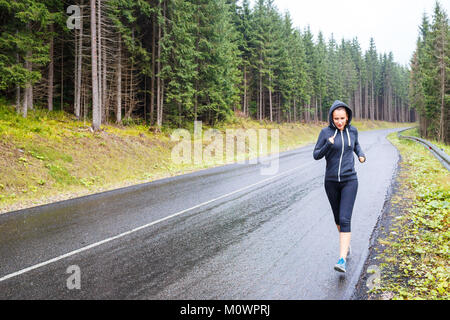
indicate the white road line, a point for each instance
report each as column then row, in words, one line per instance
column 96, row 244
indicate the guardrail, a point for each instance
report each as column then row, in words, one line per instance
column 438, row 153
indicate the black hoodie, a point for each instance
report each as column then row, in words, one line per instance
column 339, row 156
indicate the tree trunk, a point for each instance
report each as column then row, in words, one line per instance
column 145, row 99
column 443, row 135
column 305, row 112
column 131, row 94
column 161, row 104
column 366, row 100
column 18, row 106
column 197, row 48
column 316, row 111
column 158, row 82
column 29, row 87
column 161, row 80
column 391, row 105
column 245, row 90
column 105, row 102
column 270, row 100
column 119, row 83
column 320, row 109
column 99, row 56
column 260, row 96
column 61, row 99
column 360, row 100
column 179, row 114
column 295, row 111
column 50, row 72
column 79, row 66
column 372, row 102
column 27, row 95
column 263, row 110
column 75, row 70
column 279, row 108
column 377, row 112
column 152, row 84
column 96, row 114
column 30, row 91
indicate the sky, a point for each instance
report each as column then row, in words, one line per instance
column 394, row 24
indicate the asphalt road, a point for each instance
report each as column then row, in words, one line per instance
column 221, row 233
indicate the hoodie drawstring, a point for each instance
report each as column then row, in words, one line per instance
column 348, row 135
column 335, row 133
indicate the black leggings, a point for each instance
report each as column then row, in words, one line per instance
column 342, row 197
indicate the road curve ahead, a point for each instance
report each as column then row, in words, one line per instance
column 222, row 233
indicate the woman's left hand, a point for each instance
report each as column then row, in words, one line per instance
column 362, row 159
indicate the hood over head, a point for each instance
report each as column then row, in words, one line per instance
column 336, row 105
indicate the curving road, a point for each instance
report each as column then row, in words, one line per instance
column 222, row 233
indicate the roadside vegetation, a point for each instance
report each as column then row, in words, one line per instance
column 50, row 156
column 414, row 132
column 415, row 257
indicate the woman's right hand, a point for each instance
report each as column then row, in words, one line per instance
column 331, row 139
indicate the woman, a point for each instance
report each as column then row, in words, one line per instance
column 336, row 143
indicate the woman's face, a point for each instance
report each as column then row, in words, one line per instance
column 340, row 118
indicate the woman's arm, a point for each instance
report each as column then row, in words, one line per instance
column 322, row 146
column 358, row 149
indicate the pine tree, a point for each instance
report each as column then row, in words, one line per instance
column 321, row 74
column 371, row 59
column 259, row 52
column 308, row 42
column 429, row 76
column 440, row 46
column 243, row 26
column 300, row 95
column 182, row 53
column 23, row 45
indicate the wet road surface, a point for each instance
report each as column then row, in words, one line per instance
column 222, row 233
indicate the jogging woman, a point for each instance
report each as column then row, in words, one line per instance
column 336, row 143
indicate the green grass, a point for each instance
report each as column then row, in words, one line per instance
column 51, row 156
column 415, row 263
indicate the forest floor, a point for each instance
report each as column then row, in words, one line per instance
column 51, row 156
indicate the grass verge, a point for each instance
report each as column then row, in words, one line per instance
column 413, row 253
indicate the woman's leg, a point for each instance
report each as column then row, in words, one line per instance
column 334, row 197
column 344, row 243
column 348, row 197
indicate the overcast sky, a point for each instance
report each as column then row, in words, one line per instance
column 394, row 24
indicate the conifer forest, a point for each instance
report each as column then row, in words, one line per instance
column 169, row 62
